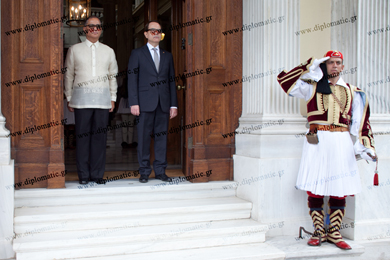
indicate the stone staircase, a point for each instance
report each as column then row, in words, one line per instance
column 128, row 220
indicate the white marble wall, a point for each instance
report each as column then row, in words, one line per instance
column 271, row 156
column 6, row 192
column 372, row 210
column 6, row 205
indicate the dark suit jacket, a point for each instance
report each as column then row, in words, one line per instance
column 141, row 92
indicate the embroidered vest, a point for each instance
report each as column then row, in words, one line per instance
column 325, row 109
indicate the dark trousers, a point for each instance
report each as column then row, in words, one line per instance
column 149, row 123
column 90, row 148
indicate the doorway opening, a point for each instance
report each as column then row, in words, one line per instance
column 130, row 18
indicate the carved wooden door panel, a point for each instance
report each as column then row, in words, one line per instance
column 176, row 138
column 205, row 96
column 33, row 56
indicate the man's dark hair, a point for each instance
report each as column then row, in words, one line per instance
column 92, row 16
column 152, row 21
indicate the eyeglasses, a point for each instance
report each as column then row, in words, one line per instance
column 97, row 26
column 154, row 31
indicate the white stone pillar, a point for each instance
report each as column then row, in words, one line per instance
column 269, row 157
column 6, row 187
column 371, row 212
column 267, row 50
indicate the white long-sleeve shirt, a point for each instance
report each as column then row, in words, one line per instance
column 90, row 80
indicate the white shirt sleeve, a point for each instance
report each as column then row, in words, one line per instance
column 357, row 113
column 113, row 70
column 302, row 90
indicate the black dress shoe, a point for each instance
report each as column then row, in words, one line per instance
column 133, row 145
column 143, row 179
column 83, row 182
column 163, row 177
column 99, row 181
column 125, row 145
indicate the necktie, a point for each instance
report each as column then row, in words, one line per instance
column 156, row 60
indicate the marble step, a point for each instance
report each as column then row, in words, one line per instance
column 83, row 217
column 32, row 228
column 123, row 187
column 138, row 239
column 105, row 195
column 298, row 249
column 253, row 251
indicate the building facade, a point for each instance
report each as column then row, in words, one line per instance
column 247, row 43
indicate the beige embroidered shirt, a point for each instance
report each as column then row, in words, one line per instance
column 90, row 80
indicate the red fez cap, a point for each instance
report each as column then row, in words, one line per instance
column 334, row 54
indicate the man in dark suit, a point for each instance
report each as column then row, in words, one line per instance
column 154, row 105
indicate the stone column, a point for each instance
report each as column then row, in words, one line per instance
column 6, row 186
column 269, row 49
column 371, row 212
column 268, row 154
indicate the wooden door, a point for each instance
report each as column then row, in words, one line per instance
column 205, row 96
column 35, row 102
column 176, row 140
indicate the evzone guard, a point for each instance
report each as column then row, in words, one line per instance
column 328, row 167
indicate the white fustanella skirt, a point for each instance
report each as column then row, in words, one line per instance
column 329, row 168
